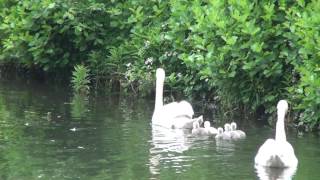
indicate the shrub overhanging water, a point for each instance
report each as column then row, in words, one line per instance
column 246, row 54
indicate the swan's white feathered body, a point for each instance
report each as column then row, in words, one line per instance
column 236, row 134
column 227, row 132
column 206, row 130
column 210, row 130
column 172, row 115
column 224, row 135
column 220, row 133
column 197, row 130
column 277, row 152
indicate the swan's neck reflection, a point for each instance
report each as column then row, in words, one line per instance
column 268, row 173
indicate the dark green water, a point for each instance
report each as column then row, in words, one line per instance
column 111, row 138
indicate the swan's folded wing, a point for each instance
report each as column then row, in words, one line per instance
column 176, row 109
column 265, row 151
column 276, row 154
column 213, row 131
column 241, row 133
column 287, row 155
column 184, row 122
column 186, row 108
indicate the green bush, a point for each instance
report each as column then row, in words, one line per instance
column 80, row 79
column 306, row 93
column 245, row 54
column 238, row 47
column 237, row 50
column 55, row 34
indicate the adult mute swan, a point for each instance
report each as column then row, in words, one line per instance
column 277, row 152
column 172, row 115
column 236, row 134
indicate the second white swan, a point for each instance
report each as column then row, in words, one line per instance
column 277, row 152
column 172, row 115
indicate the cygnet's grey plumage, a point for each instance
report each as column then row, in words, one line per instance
column 236, row 134
column 206, row 130
column 224, row 135
column 211, row 130
column 227, row 132
column 220, row 133
column 197, row 130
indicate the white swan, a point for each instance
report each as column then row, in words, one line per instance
column 206, row 130
column 220, row 133
column 227, row 132
column 210, row 130
column 277, row 152
column 236, row 134
column 224, row 135
column 173, row 115
column 197, row 130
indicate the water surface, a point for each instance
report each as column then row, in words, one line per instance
column 46, row 132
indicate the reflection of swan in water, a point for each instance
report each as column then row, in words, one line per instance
column 173, row 115
column 164, row 143
column 277, row 152
column 236, row 134
column 226, row 148
column 168, row 140
column 269, row 173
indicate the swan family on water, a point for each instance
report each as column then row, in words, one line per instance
column 177, row 115
column 274, row 153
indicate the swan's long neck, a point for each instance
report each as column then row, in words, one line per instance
column 159, row 94
column 280, row 131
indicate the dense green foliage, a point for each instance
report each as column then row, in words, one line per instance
column 307, row 40
column 55, row 34
column 245, row 54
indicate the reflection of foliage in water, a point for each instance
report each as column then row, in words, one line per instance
column 4, row 115
column 14, row 153
column 32, row 146
column 112, row 142
column 109, row 142
column 132, row 115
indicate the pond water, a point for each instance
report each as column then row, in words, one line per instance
column 46, row 132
